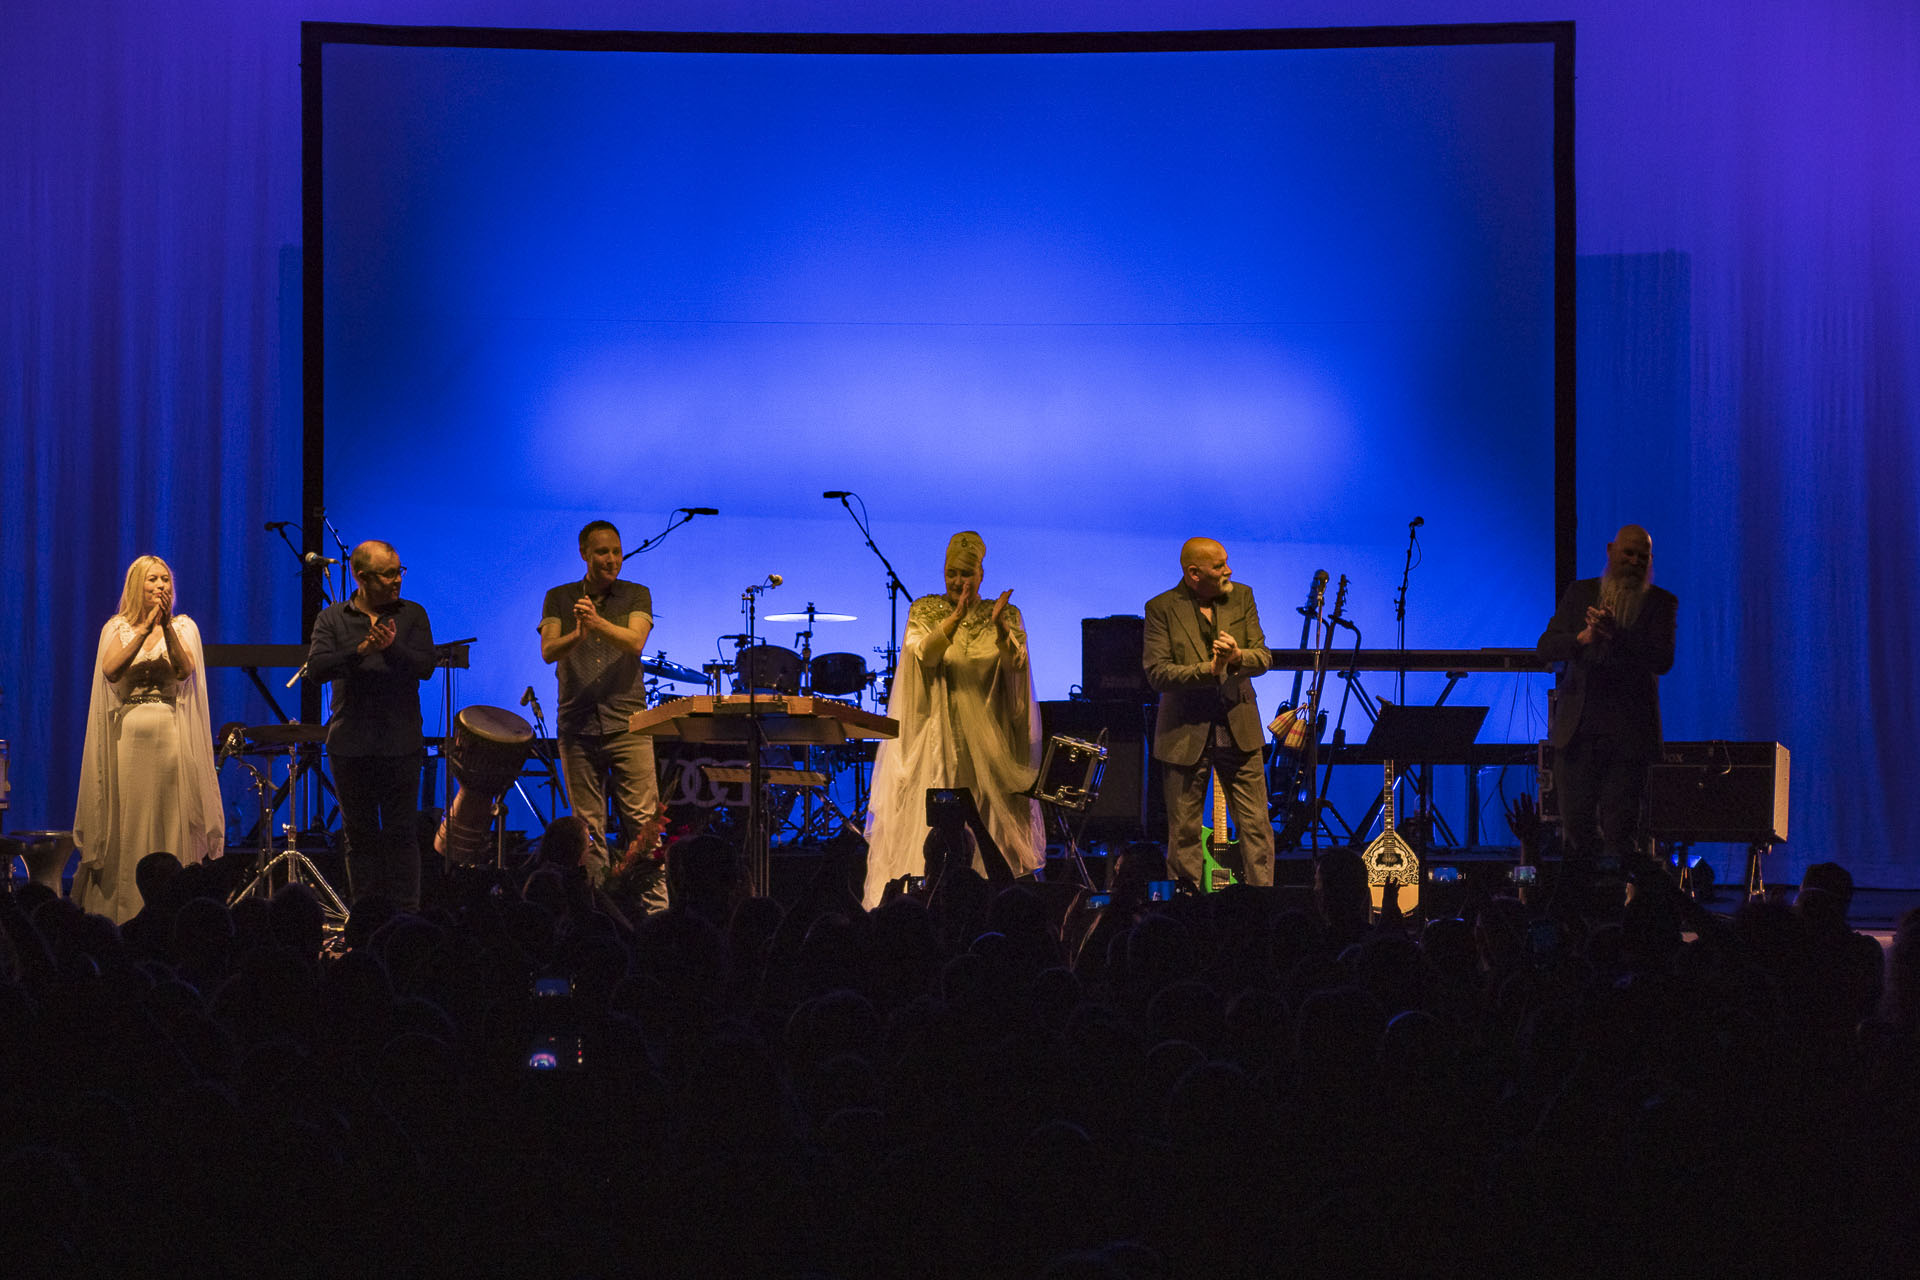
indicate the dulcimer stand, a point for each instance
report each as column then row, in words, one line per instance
column 753, row 720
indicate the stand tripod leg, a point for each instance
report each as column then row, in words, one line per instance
column 1756, row 886
column 1069, row 842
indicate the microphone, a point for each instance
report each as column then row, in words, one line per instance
column 1319, row 590
column 1416, row 522
column 701, row 511
column 774, row 580
column 314, row 558
column 838, row 493
column 527, row 697
column 274, row 526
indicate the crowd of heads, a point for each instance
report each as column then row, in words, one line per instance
column 970, row 1080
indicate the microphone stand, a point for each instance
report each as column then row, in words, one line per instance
column 759, row 852
column 895, row 589
column 1421, row 783
column 1351, row 679
column 346, row 558
column 686, row 516
column 1400, row 607
column 557, row 780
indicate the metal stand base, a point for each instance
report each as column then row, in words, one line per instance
column 1069, row 842
column 300, row 870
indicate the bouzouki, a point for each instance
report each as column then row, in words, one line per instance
column 1390, row 859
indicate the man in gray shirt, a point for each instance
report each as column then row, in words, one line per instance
column 594, row 631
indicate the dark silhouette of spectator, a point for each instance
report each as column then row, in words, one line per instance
column 945, row 1088
column 1851, row 966
column 151, row 928
column 1340, row 897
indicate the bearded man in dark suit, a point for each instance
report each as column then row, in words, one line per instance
column 1612, row 637
column 1203, row 648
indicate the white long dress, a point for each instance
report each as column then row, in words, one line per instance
column 147, row 778
column 967, row 719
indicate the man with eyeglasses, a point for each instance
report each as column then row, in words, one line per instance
column 376, row 649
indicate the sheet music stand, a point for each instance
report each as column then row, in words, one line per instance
column 1419, row 736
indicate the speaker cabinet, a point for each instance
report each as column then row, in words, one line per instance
column 1720, row 791
column 1112, row 654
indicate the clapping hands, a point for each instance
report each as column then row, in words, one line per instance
column 379, row 635
column 1002, row 620
column 1226, row 653
column 1600, row 626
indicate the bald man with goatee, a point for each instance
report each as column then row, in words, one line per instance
column 1612, row 638
column 1203, row 648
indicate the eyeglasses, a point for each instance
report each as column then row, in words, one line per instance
column 389, row 575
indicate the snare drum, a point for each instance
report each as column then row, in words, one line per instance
column 1070, row 772
column 838, row 674
column 769, row 669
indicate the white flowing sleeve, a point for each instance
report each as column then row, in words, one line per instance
column 93, row 811
column 906, row 766
column 1008, row 729
column 199, row 777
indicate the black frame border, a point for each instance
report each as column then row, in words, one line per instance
column 316, row 36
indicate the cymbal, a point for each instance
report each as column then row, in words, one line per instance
column 286, row 735
column 660, row 665
column 811, row 616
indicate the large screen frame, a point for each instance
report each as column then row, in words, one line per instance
column 316, row 37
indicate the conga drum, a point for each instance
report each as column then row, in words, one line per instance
column 485, row 752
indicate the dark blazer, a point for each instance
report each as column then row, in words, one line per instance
column 1625, row 669
column 1179, row 664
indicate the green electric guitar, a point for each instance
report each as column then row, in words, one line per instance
column 1218, row 854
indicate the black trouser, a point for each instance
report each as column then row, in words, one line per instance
column 1245, row 776
column 380, row 811
column 1603, row 793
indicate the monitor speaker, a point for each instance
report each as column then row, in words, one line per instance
column 1111, row 659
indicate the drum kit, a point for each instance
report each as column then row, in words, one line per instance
column 770, row 668
column 775, row 669
column 804, row 811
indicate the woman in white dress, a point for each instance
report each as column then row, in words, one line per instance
column 147, row 780
column 964, row 698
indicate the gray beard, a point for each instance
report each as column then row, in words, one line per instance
column 1623, row 597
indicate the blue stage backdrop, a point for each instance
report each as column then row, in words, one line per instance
column 1085, row 303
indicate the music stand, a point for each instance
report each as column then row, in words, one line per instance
column 1408, row 735
column 1420, row 735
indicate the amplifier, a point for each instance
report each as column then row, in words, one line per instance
column 1112, row 653
column 1719, row 791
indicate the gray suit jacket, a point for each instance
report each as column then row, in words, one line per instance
column 1179, row 664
